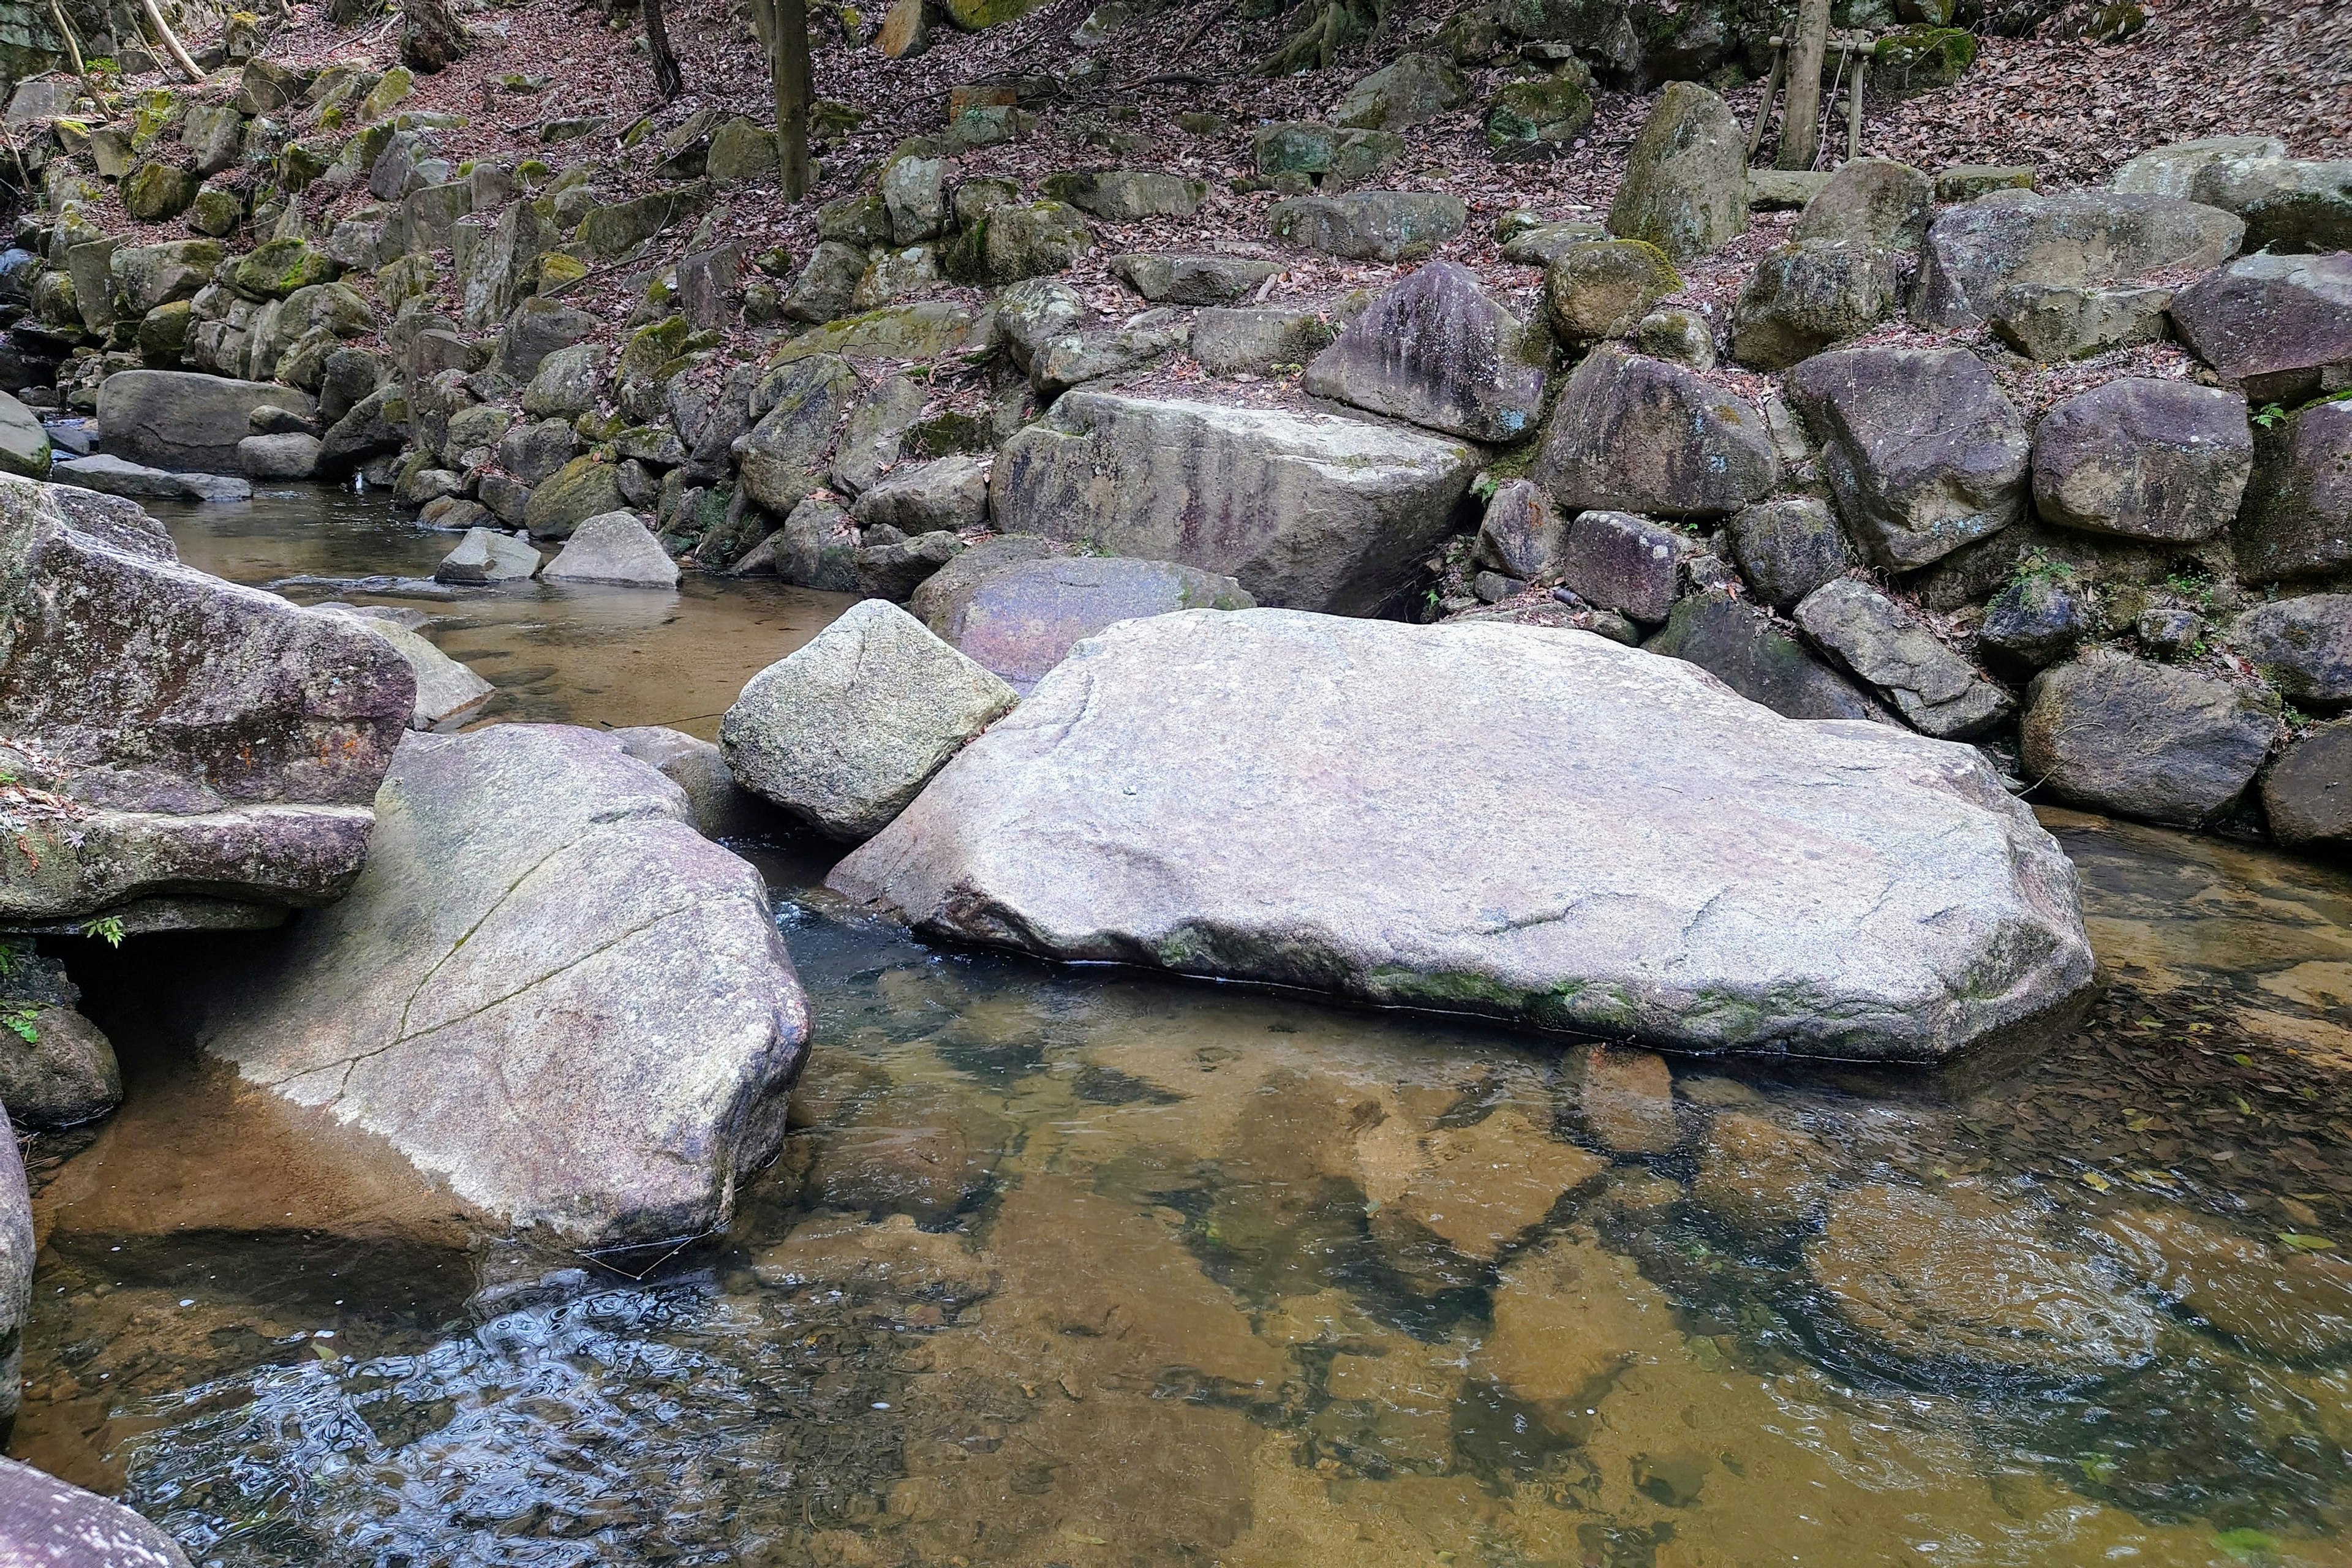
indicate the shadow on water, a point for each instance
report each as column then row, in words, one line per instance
column 1088, row 1267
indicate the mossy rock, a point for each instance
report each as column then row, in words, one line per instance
column 1920, row 58
column 158, row 191
column 162, row 334
column 649, row 348
column 282, row 266
column 1540, row 119
column 558, row 272
column 303, row 161
column 392, row 87
column 217, row 211
column 972, row 16
column 155, row 114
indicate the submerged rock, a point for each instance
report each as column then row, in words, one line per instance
column 2276, row 1301
column 196, row 741
column 844, row 731
column 486, row 555
column 1305, row 510
column 579, row 1015
column 1484, row 817
column 1962, row 1275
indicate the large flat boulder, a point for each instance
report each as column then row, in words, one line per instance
column 179, row 419
column 2143, row 457
column 1976, row 253
column 547, row 989
column 1536, row 825
column 1310, row 510
column 182, row 738
column 2273, row 324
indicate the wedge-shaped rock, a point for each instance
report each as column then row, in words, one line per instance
column 1536, row 825
column 2272, row 324
column 1436, row 351
column 1889, row 647
column 579, row 1015
column 1310, row 510
column 1019, row 621
column 183, row 736
column 1639, row 435
column 2080, row 239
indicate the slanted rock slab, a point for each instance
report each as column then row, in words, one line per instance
column 1369, row 226
column 2303, row 645
column 2079, row 238
column 1740, row 646
column 486, row 555
column 46, row 1521
column 578, row 1014
column 844, row 732
column 1480, row 817
column 2272, row 324
column 1019, row 621
column 615, row 547
column 1888, row 646
column 1306, row 510
column 1436, row 351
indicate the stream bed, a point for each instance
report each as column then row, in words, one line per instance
column 1081, row 1267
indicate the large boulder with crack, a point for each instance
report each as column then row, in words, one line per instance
column 1530, row 824
column 1974, row 254
column 547, row 990
column 1436, row 351
column 1310, row 510
column 2144, row 740
column 1923, row 451
column 180, row 419
column 188, row 752
column 1632, row 434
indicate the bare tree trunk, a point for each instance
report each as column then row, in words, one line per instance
column 1801, row 127
column 430, row 37
column 668, row 81
column 782, row 27
column 171, row 41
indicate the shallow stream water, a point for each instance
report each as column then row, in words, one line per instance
column 1079, row 1267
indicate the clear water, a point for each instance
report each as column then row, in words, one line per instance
column 1083, row 1268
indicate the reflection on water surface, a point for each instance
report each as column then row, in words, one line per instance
column 1084, row 1267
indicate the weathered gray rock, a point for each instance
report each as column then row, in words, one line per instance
column 2143, row 740
column 1369, row 226
column 1600, row 288
column 720, row 807
column 1235, row 341
column 1021, row 241
column 484, row 555
column 1786, row 549
column 1034, row 312
column 538, row 328
column 565, row 383
column 1077, row 358
column 2303, row 647
column 1802, row 298
column 939, row 604
column 827, row 283
column 24, row 444
column 1871, row 204
column 291, row 455
column 2172, row 169
column 1680, row 337
column 2079, row 239
column 1923, row 451
column 65, row 1072
column 2144, row 458
column 1615, row 561
column 1436, row 351
column 1410, row 89
column 2052, row 322
column 1889, row 648
column 914, row 197
column 2307, row 792
column 2298, row 517
column 45, row 1522
column 1546, row 243
column 135, row 481
column 1124, row 196
column 445, row 689
column 1340, row 157
column 1686, row 186
column 177, row 419
column 2273, row 324
column 1291, row 809
column 1180, row 279
column 613, row 547
column 817, row 548
column 2035, row 622
column 784, row 457
column 875, row 435
column 2288, row 204
column 1307, row 510
column 846, row 729
column 889, row 565
column 533, row 451
column 1739, row 645
column 1020, row 620
column 578, row 1016
column 1638, row 434
column 1522, row 534
column 200, row 739
column 948, row 493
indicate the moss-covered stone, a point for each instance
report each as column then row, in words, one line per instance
column 1915, row 60
column 153, row 113
column 1539, row 118
column 217, row 211
column 282, row 266
column 162, row 334
column 303, row 161
column 158, row 191
column 649, row 348
column 972, row 16
column 390, row 88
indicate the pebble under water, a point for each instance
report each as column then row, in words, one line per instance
column 1081, row 1267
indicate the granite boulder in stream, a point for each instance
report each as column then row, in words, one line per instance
column 547, row 989
column 1535, row 825
column 189, row 752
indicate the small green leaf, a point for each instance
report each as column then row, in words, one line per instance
column 2302, row 1243
column 2245, row 1544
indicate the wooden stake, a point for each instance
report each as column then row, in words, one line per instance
column 1854, row 108
column 1800, row 118
column 1764, row 111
